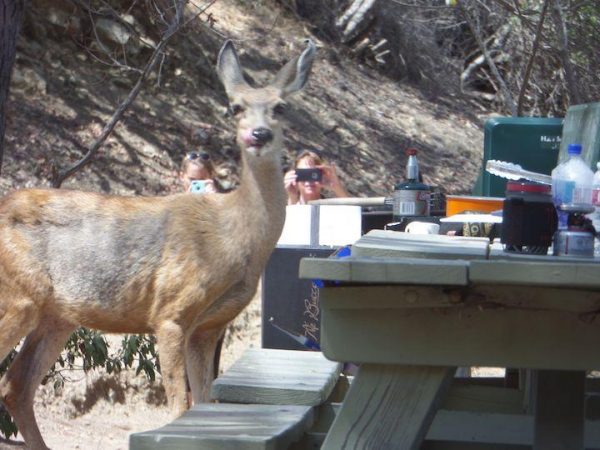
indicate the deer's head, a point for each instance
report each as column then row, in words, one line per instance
column 257, row 110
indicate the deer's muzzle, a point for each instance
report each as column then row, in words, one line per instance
column 262, row 136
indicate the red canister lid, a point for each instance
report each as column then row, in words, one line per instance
column 528, row 186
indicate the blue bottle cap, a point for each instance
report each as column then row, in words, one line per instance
column 574, row 149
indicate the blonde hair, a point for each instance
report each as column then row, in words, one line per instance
column 316, row 158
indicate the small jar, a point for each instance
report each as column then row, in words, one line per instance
column 529, row 218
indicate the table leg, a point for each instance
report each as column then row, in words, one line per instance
column 559, row 409
column 389, row 407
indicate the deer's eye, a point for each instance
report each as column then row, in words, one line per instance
column 279, row 109
column 236, row 109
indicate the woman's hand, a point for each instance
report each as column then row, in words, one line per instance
column 332, row 182
column 289, row 182
column 209, row 187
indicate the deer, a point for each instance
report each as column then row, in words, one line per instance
column 179, row 266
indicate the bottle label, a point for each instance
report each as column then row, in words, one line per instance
column 582, row 195
column 410, row 202
column 563, row 191
column 567, row 192
column 596, row 196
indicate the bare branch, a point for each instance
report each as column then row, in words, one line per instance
column 474, row 27
column 59, row 178
column 410, row 5
column 158, row 53
column 563, row 50
column 536, row 44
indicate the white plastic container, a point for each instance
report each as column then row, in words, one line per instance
column 572, row 182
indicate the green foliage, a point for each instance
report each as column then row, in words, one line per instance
column 88, row 350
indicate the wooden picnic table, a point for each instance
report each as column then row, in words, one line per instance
column 409, row 310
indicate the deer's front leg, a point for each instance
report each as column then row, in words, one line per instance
column 200, row 353
column 171, row 339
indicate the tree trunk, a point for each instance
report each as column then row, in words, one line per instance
column 355, row 18
column 560, row 25
column 11, row 16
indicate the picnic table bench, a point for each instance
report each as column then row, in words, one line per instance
column 268, row 399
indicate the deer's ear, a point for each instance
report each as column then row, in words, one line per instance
column 229, row 70
column 293, row 76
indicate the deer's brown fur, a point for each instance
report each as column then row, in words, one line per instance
column 180, row 266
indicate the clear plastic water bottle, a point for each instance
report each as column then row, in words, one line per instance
column 572, row 183
column 595, row 216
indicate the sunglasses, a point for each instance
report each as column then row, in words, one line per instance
column 192, row 156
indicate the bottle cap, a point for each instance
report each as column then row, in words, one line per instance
column 574, row 149
column 411, row 151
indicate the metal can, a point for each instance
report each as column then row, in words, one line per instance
column 411, row 199
column 574, row 243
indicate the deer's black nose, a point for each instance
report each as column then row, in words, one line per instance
column 262, row 136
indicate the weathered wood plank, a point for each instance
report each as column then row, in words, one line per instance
column 388, row 407
column 382, row 243
column 484, row 399
column 445, row 445
column 484, row 420
column 385, row 270
column 495, row 428
column 559, row 410
column 481, row 427
column 278, row 377
column 325, row 269
column 584, row 302
column 467, row 335
column 390, row 297
column 229, row 427
column 460, row 397
column 559, row 274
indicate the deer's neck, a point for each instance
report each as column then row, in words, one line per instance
column 258, row 207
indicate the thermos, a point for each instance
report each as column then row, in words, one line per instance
column 529, row 218
column 411, row 198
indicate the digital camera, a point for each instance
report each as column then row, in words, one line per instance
column 198, row 186
column 313, row 174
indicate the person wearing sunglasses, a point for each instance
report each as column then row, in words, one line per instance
column 197, row 173
column 310, row 177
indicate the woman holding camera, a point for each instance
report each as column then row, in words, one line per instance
column 197, row 173
column 304, row 185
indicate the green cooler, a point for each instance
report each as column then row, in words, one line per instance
column 531, row 142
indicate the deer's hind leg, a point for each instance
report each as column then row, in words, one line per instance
column 17, row 388
column 17, row 318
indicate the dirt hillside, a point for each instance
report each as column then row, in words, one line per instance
column 60, row 100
